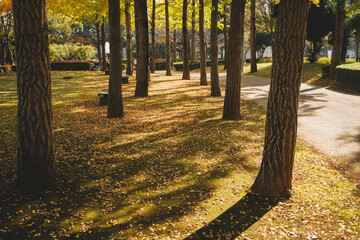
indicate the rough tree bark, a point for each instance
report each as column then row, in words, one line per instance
column 215, row 87
column 233, row 77
column 142, row 48
column 253, row 67
column 153, row 42
column 36, row 162
column 6, row 28
column 98, row 43
column 193, row 52
column 2, row 53
column 115, row 103
column 275, row 176
column 203, row 78
column 225, row 36
column 103, row 40
column 168, row 47
column 129, row 52
column 357, row 40
column 338, row 37
column 185, row 50
column 174, row 46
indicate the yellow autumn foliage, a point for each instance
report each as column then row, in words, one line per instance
column 5, row 6
column 316, row 2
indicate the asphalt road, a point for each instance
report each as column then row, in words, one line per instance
column 328, row 120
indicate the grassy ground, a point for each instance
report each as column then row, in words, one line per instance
column 265, row 69
column 312, row 73
column 168, row 168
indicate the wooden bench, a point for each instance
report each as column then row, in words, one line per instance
column 125, row 79
column 104, row 94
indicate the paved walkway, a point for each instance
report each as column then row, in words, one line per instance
column 328, row 120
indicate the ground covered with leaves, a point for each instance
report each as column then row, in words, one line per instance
column 170, row 167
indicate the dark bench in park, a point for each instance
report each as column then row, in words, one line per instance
column 104, row 94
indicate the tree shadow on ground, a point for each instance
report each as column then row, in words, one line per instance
column 119, row 178
column 236, row 219
column 351, row 164
column 307, row 99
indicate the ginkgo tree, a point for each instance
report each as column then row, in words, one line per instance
column 83, row 11
column 6, row 33
column 35, row 154
column 275, row 176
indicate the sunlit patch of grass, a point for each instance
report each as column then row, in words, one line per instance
column 170, row 152
column 264, row 69
column 311, row 74
column 311, row 71
column 168, row 167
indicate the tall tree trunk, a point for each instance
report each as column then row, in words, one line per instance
column 357, row 40
column 193, row 50
column 275, row 175
column 2, row 53
column 129, row 52
column 203, row 78
column 215, row 87
column 185, row 50
column 115, row 103
column 233, row 76
column 225, row 37
column 153, row 43
column 252, row 38
column 168, row 47
column 98, row 43
column 142, row 48
column 103, row 41
column 36, row 162
column 10, row 57
column 174, row 45
column 338, row 37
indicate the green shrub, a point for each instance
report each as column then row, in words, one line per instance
column 72, row 65
column 324, row 60
column 265, row 60
column 71, row 51
column 348, row 74
column 260, row 60
column 179, row 65
column 248, row 60
column 160, row 64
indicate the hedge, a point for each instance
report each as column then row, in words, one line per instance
column 349, row 74
column 160, row 64
column 325, row 70
column 72, row 65
column 179, row 65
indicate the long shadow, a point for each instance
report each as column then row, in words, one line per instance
column 345, row 90
column 307, row 107
column 353, row 162
column 236, row 219
column 138, row 183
